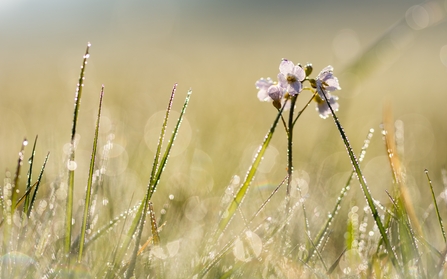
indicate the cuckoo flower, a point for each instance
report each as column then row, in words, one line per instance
column 263, row 85
column 325, row 83
column 291, row 76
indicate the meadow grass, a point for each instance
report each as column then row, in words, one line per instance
column 49, row 235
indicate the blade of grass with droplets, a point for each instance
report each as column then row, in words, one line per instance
column 39, row 179
column 70, row 190
column 232, row 207
column 155, row 238
column 88, row 191
column 230, row 243
column 435, row 203
column 153, row 182
column 323, row 231
column 406, row 234
column 30, row 173
column 15, row 183
column 365, row 188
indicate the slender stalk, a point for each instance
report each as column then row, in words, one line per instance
column 88, row 191
column 365, row 190
column 290, row 145
column 70, row 193
column 436, row 206
column 30, row 173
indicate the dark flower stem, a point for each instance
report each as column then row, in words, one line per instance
column 290, row 144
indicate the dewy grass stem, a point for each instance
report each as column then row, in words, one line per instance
column 88, row 191
column 290, row 145
column 71, row 160
column 365, row 189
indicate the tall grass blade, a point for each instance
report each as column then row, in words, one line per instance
column 15, row 183
column 235, row 203
column 157, row 170
column 397, row 168
column 435, row 203
column 365, row 188
column 39, row 179
column 319, row 238
column 88, row 191
column 156, row 179
column 163, row 131
column 30, row 173
column 71, row 160
column 405, row 235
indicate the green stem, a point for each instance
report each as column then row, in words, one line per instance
column 290, row 145
column 365, row 189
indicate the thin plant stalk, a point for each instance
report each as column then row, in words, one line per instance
column 39, row 179
column 344, row 190
column 365, row 189
column 71, row 160
column 236, row 202
column 30, row 173
column 435, row 203
column 88, row 191
column 157, row 170
column 290, row 145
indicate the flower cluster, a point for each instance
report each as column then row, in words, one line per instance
column 290, row 83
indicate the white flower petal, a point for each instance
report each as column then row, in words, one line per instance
column 286, row 67
column 299, row 73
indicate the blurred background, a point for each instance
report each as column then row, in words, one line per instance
column 385, row 53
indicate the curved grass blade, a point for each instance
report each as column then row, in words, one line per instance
column 319, row 238
column 436, row 206
column 70, row 192
column 30, row 172
column 365, row 189
column 39, row 179
column 233, row 206
column 88, row 191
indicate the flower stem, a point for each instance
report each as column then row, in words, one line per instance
column 290, row 144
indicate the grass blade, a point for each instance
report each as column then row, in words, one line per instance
column 15, row 183
column 39, row 179
column 30, row 172
column 157, row 170
column 323, row 231
column 436, row 206
column 365, row 188
column 233, row 206
column 88, row 191
column 71, row 160
column 156, row 179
